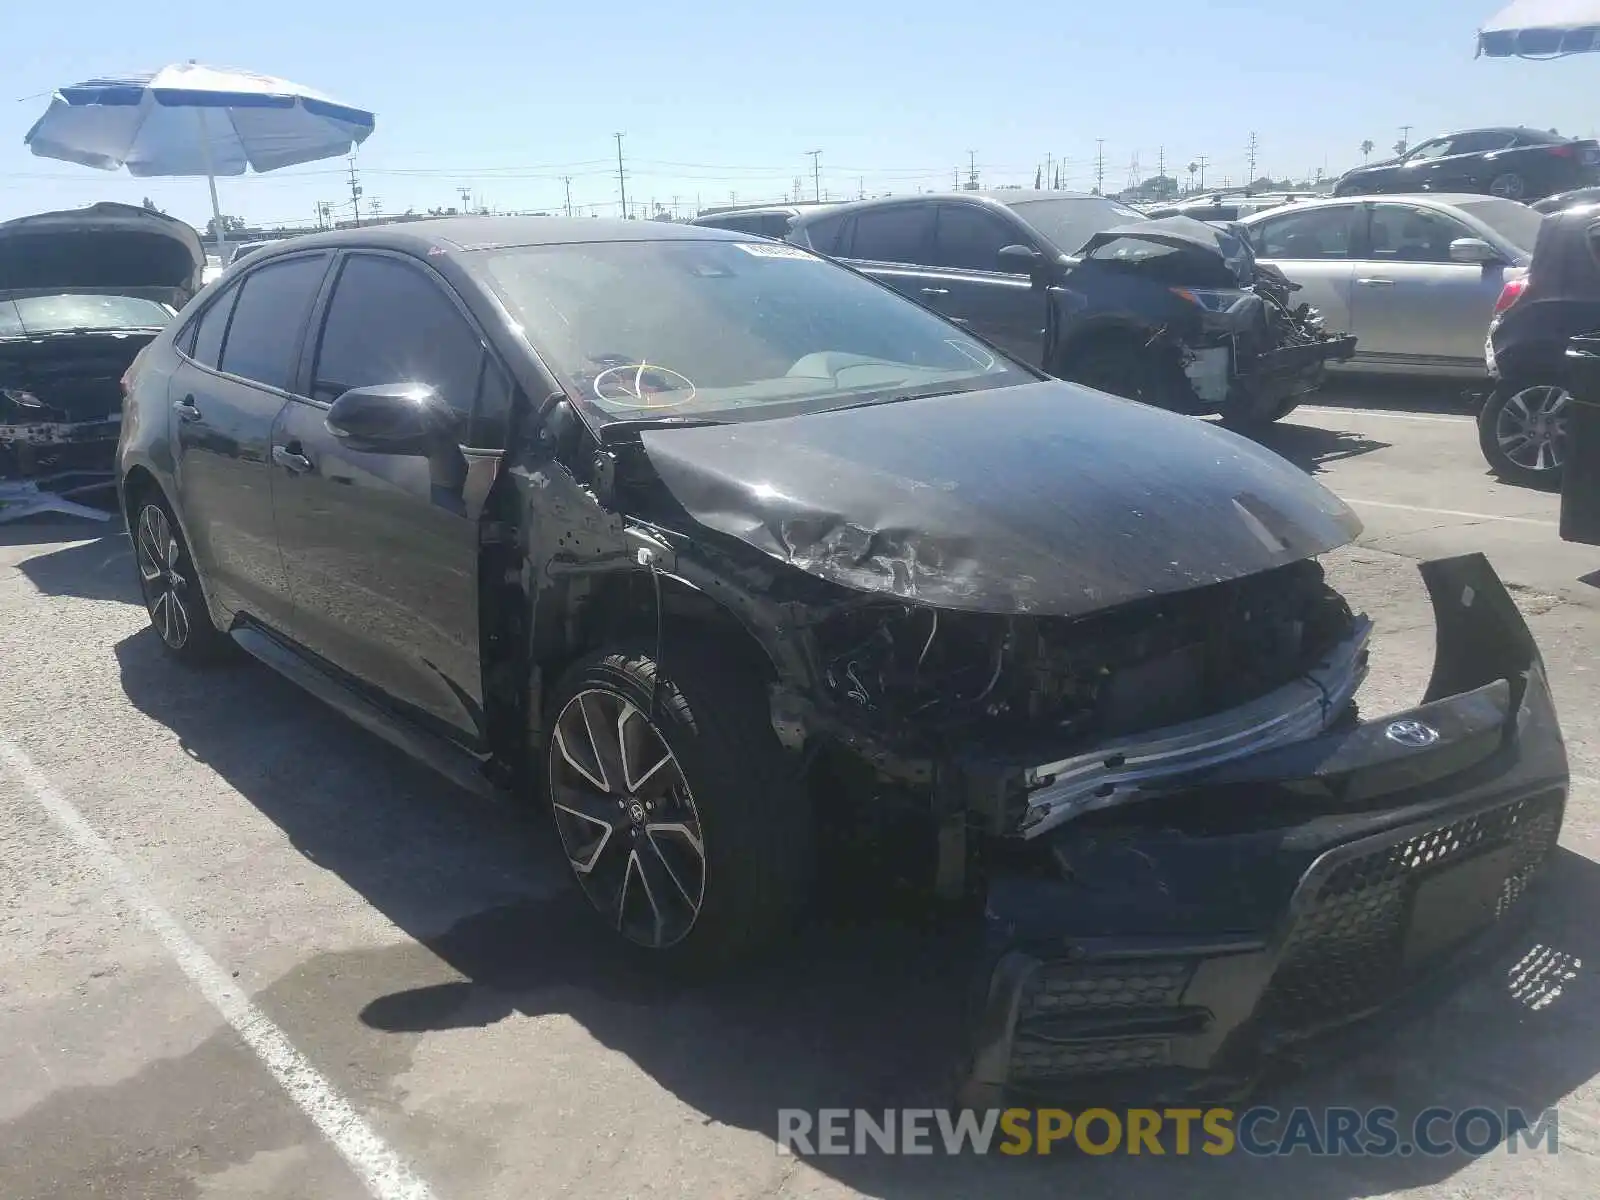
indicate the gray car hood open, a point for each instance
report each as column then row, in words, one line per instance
column 115, row 248
column 1046, row 498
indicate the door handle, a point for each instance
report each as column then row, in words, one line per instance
column 935, row 291
column 285, row 457
column 1376, row 282
column 185, row 409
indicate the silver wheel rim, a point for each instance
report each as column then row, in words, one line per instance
column 166, row 586
column 626, row 818
column 1507, row 186
column 1531, row 428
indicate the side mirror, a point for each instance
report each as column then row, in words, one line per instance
column 1473, row 250
column 393, row 418
column 1025, row 260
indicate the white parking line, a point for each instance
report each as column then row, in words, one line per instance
column 383, row 1172
column 1450, row 512
column 1448, row 418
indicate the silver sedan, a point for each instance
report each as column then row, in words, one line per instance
column 1415, row 278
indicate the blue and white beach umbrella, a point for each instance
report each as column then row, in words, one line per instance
column 1542, row 29
column 189, row 119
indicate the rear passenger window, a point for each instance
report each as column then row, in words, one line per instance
column 901, row 234
column 1314, row 233
column 264, row 335
column 205, row 339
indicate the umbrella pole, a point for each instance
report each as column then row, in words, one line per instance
column 211, row 182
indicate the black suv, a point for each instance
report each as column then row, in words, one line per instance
column 1171, row 312
column 1522, row 429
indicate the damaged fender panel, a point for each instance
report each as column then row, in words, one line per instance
column 1045, row 499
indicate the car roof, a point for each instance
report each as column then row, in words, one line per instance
column 1002, row 197
column 450, row 236
column 1420, row 200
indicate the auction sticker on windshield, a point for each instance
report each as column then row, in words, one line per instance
column 765, row 250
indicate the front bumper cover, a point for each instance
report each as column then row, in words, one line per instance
column 1182, row 942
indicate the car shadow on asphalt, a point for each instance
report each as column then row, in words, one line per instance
column 1312, row 448
column 1398, row 393
column 853, row 1013
column 99, row 569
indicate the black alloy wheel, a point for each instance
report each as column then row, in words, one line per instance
column 678, row 811
column 627, row 819
column 171, row 588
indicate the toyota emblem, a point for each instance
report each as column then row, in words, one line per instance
column 1415, row 734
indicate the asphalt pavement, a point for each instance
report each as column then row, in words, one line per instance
column 250, row 951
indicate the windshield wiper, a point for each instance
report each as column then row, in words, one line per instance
column 903, row 396
column 619, row 429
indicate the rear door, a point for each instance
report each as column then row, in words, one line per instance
column 382, row 550
column 1312, row 246
column 233, row 379
column 995, row 304
column 893, row 244
column 1411, row 305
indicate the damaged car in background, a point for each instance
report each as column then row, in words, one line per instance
column 742, row 562
column 1178, row 313
column 82, row 292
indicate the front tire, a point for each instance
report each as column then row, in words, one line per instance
column 1132, row 373
column 170, row 585
column 678, row 811
column 1522, row 430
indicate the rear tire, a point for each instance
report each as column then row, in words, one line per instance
column 170, row 584
column 678, row 811
column 1508, row 185
column 1522, row 431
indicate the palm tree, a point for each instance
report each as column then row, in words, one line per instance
column 1192, row 168
column 1366, row 149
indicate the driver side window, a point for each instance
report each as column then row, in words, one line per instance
column 391, row 322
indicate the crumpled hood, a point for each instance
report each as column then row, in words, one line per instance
column 106, row 247
column 1046, row 498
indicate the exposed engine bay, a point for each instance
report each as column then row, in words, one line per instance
column 60, row 406
column 1140, row 666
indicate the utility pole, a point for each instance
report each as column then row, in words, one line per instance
column 1250, row 150
column 1133, row 170
column 1100, row 166
column 816, row 174
column 466, row 198
column 567, row 180
column 861, row 186
column 622, row 179
column 1049, row 170
column 355, row 192
column 1405, row 137
column 972, row 170
column 1202, row 160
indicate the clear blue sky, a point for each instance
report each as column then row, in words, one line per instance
column 506, row 96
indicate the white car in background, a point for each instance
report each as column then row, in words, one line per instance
column 1415, row 278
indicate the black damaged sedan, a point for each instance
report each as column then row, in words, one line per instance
column 733, row 557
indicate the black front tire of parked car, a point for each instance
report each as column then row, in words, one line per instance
column 1520, row 426
column 1250, row 413
column 1130, row 371
column 170, row 584
column 681, row 816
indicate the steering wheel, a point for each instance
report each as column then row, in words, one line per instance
column 640, row 384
